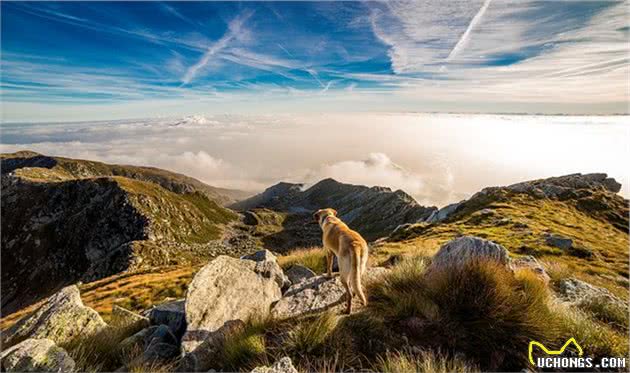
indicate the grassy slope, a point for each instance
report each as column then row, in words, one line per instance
column 519, row 225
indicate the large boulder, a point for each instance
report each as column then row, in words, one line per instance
column 267, row 265
column 284, row 365
column 223, row 290
column 465, row 249
column 576, row 291
column 299, row 273
column 36, row 355
column 206, row 354
column 317, row 294
column 61, row 318
column 171, row 314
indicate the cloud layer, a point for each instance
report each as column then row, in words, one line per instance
column 436, row 158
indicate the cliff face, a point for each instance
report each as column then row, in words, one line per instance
column 374, row 212
column 58, row 228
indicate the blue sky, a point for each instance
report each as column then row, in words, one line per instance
column 89, row 60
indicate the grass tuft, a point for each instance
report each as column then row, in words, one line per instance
column 426, row 361
column 313, row 258
column 311, row 335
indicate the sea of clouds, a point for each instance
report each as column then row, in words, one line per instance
column 437, row 158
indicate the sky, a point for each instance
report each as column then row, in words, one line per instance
column 70, row 61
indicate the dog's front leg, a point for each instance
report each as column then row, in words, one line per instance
column 329, row 262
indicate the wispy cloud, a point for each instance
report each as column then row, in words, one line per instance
column 462, row 41
column 234, row 31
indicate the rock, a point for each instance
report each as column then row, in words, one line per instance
column 468, row 248
column 203, row 357
column 137, row 339
column 225, row 289
column 316, row 294
column 267, row 265
column 61, row 318
column 284, row 365
column 123, row 318
column 36, row 355
column 250, row 218
column 299, row 273
column 532, row 264
column 558, row 241
column 576, row 291
column 171, row 314
column 312, row 295
column 161, row 344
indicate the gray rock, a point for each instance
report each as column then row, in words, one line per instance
column 159, row 345
column 558, row 241
column 61, row 318
column 171, row 314
column 317, row 294
column 284, row 365
column 466, row 249
column 36, row 355
column 267, row 265
column 312, row 295
column 129, row 343
column 123, row 318
column 204, row 356
column 223, row 290
column 576, row 291
column 299, row 273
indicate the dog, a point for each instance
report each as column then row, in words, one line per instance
column 351, row 251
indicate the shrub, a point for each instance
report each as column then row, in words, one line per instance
column 426, row 361
column 311, row 335
column 480, row 309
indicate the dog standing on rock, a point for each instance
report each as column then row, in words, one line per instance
column 351, row 251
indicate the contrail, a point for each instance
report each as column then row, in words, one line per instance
column 462, row 41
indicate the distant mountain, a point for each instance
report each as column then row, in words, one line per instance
column 67, row 168
column 374, row 212
column 66, row 220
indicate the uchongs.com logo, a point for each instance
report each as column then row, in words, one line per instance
column 551, row 359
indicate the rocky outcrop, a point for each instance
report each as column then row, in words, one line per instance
column 61, row 225
column 577, row 291
column 225, row 289
column 36, row 355
column 317, row 294
column 284, row 365
column 299, row 273
column 171, row 314
column 558, row 187
column 558, row 241
column 206, row 354
column 443, row 213
column 267, row 265
column 374, row 212
column 61, row 318
column 465, row 249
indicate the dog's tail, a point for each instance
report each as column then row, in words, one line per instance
column 358, row 267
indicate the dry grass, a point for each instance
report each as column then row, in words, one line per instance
column 424, row 361
column 313, row 258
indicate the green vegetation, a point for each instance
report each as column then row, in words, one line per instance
column 313, row 258
column 424, row 361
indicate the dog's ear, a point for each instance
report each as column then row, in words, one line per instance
column 316, row 216
column 334, row 211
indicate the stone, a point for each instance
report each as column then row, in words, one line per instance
column 317, row 294
column 284, row 365
column 171, row 314
column 203, row 357
column 225, row 289
column 299, row 273
column 443, row 213
column 61, row 318
column 123, row 318
column 159, row 345
column 36, row 355
column 576, row 291
column 466, row 249
column 267, row 265
column 137, row 339
column 558, row 241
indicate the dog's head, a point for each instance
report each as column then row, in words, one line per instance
column 320, row 214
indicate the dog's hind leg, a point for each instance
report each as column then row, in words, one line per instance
column 348, row 287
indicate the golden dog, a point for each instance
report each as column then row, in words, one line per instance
column 351, row 251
